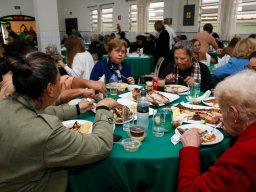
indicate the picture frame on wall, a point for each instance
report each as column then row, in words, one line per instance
column 189, row 15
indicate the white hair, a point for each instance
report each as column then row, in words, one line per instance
column 239, row 91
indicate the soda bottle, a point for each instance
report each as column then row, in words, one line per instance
column 143, row 110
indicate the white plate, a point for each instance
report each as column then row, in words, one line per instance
column 219, row 135
column 74, row 101
column 210, row 104
column 70, row 123
column 115, row 85
column 189, row 105
column 131, row 87
column 170, row 96
column 181, row 88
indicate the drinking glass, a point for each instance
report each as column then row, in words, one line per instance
column 160, row 85
column 158, row 124
column 128, row 119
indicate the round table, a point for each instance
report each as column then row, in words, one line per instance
column 140, row 65
column 154, row 167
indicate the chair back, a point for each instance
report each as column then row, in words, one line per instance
column 158, row 66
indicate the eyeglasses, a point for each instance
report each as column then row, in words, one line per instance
column 250, row 67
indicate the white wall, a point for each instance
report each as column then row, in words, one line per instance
column 79, row 9
column 7, row 7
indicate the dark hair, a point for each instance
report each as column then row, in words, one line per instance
column 208, row 27
column 252, row 55
column 141, row 37
column 122, row 34
column 186, row 45
column 252, row 36
column 159, row 26
column 215, row 35
column 32, row 72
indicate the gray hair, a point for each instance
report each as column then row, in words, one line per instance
column 186, row 45
column 238, row 90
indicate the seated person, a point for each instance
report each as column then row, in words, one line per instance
column 37, row 149
column 252, row 61
column 185, row 71
column 114, row 69
column 238, row 60
column 217, row 39
column 235, row 169
column 200, row 56
column 139, row 44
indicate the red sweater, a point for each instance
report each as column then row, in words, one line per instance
column 235, row 170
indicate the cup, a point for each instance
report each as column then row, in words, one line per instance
column 113, row 90
column 128, row 119
column 137, row 132
column 160, row 85
column 149, row 85
column 158, row 124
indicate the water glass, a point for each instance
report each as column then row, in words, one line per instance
column 158, row 124
column 113, row 90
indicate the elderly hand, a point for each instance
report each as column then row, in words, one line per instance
column 170, row 77
column 108, row 102
column 190, row 138
column 85, row 105
column 99, row 86
column 131, row 80
column 190, row 80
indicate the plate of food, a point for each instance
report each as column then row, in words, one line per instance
column 211, row 101
column 208, row 135
column 155, row 98
column 117, row 85
column 197, row 113
column 133, row 107
column 131, row 87
column 176, row 89
column 81, row 126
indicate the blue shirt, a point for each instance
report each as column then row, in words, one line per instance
column 103, row 68
column 233, row 66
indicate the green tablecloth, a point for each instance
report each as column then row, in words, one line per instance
column 140, row 65
column 154, row 167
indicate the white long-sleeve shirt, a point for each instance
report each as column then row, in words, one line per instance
column 82, row 65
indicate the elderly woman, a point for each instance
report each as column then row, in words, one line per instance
column 114, row 69
column 79, row 61
column 235, row 170
column 238, row 60
column 36, row 149
column 185, row 71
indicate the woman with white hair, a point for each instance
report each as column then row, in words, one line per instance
column 236, row 168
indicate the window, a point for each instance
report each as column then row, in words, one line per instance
column 208, row 13
column 133, row 18
column 107, row 19
column 155, row 12
column 246, row 16
column 94, row 20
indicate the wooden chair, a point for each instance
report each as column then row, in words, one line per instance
column 144, row 78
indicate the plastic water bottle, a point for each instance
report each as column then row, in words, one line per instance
column 143, row 110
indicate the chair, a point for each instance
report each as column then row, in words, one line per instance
column 143, row 78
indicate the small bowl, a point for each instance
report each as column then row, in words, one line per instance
column 130, row 144
column 137, row 132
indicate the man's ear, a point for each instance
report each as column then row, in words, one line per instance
column 50, row 90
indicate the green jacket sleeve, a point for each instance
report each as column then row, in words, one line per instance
column 66, row 147
column 64, row 112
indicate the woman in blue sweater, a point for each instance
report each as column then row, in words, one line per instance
column 238, row 60
column 113, row 68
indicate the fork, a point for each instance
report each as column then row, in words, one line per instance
column 211, row 131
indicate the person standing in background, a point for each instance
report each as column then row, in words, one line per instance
column 170, row 30
column 206, row 39
column 162, row 45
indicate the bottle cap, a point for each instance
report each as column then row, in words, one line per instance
column 143, row 93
